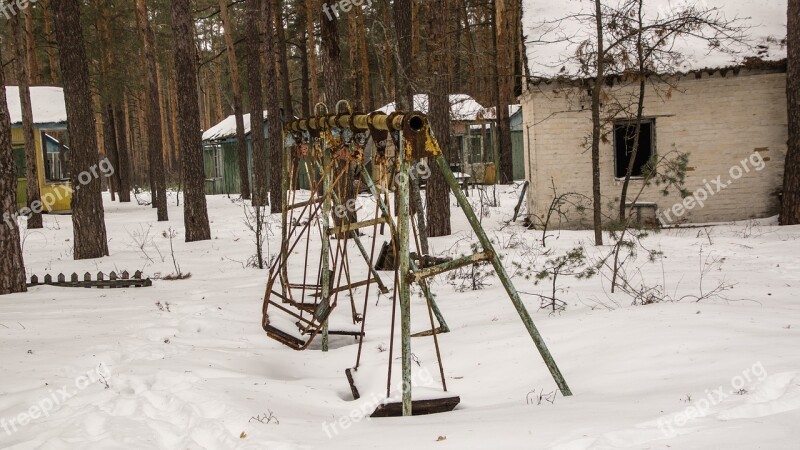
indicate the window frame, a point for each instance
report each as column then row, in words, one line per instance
column 48, row 165
column 653, row 144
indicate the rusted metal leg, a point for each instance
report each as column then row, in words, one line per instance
column 361, row 249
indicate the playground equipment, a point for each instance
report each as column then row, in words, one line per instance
column 337, row 151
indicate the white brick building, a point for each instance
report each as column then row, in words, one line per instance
column 723, row 118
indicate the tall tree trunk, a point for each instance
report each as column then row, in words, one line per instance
column 195, row 212
column 790, row 213
column 219, row 110
column 166, row 143
column 406, row 32
column 110, row 135
column 438, row 192
column 174, row 120
column 455, row 80
column 305, row 81
column 154, row 139
column 141, row 148
column 331, row 56
column 123, row 168
column 31, row 171
column 334, row 91
column 354, row 60
column 30, row 43
column 311, row 9
column 274, row 125
column 474, row 77
column 597, row 127
column 107, row 92
column 48, row 32
column 88, row 217
column 388, row 52
column 238, row 109
column 364, row 72
column 12, row 267
column 283, row 65
column 404, row 95
column 253, row 41
column 505, row 26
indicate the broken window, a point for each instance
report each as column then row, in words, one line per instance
column 624, row 141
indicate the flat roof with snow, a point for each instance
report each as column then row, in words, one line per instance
column 47, row 103
column 227, row 128
column 544, row 23
column 462, row 107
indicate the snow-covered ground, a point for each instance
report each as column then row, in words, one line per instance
column 185, row 364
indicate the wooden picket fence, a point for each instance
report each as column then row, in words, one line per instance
column 123, row 280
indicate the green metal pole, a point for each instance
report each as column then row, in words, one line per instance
column 504, row 278
column 404, row 258
column 326, row 242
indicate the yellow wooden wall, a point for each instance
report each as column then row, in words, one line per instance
column 56, row 197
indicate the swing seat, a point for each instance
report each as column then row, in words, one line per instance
column 418, row 407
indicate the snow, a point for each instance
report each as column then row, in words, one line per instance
column 227, row 128
column 462, row 107
column 765, row 19
column 47, row 104
column 197, row 374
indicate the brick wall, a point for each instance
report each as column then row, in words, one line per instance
column 720, row 120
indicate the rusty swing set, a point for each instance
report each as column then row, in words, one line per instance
column 331, row 151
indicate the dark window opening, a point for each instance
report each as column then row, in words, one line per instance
column 19, row 161
column 624, row 137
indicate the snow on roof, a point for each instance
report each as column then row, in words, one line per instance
column 47, row 103
column 462, row 106
column 766, row 20
column 227, row 128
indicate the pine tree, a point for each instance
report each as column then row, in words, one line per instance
column 238, row 108
column 253, row 42
column 12, row 268
column 439, row 97
column 23, row 79
column 88, row 219
column 195, row 212
column 790, row 214
column 155, row 153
